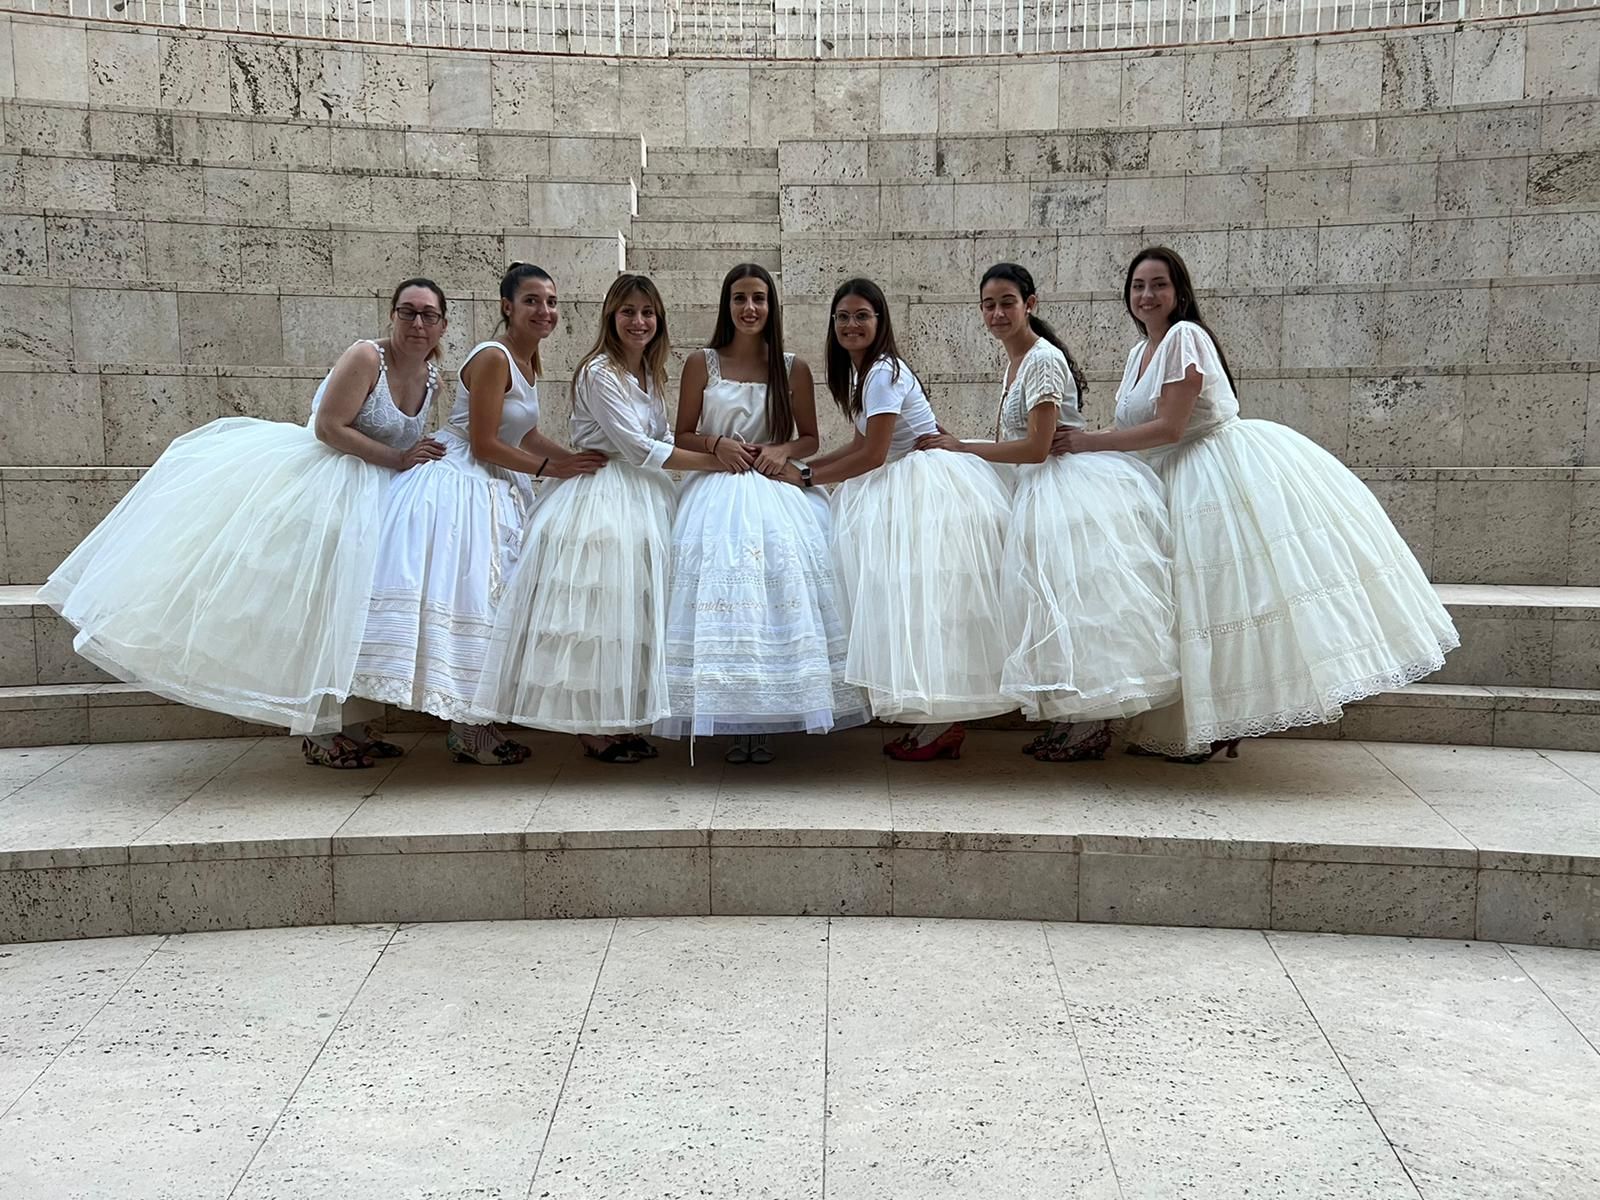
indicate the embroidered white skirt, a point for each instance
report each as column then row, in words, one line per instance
column 1295, row 594
column 579, row 642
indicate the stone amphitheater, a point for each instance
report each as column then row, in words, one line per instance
column 1398, row 234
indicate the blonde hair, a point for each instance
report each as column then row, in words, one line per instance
column 609, row 346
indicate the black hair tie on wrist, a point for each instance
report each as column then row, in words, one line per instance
column 539, row 474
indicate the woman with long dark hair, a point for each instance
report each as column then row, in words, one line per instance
column 755, row 641
column 579, row 640
column 917, row 542
column 1295, row 594
column 236, row 575
column 1087, row 575
column 452, row 531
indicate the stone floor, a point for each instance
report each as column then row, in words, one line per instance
column 796, row 1057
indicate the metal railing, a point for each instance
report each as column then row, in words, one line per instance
column 816, row 29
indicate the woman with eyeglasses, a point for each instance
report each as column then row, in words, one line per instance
column 451, row 533
column 580, row 638
column 235, row 576
column 917, row 539
column 1087, row 576
column 1295, row 594
column 755, row 640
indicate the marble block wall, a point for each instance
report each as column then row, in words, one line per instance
column 741, row 103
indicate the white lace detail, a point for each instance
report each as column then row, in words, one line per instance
column 381, row 419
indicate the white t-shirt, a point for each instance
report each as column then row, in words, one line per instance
column 883, row 393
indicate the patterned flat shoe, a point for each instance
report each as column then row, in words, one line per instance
column 485, row 751
column 1090, row 749
column 343, row 755
column 374, row 746
column 641, row 747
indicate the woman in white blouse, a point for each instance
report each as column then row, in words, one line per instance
column 579, row 639
column 917, row 539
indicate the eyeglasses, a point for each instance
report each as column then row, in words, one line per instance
column 427, row 316
column 863, row 318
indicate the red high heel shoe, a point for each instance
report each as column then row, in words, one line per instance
column 946, row 745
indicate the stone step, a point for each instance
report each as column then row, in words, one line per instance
column 662, row 206
column 1515, row 637
column 697, row 288
column 670, row 231
column 710, row 159
column 701, row 257
column 1357, row 838
column 718, row 183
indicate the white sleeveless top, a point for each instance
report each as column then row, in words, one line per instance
column 519, row 416
column 380, row 417
column 883, row 393
column 1185, row 345
column 735, row 408
column 1043, row 377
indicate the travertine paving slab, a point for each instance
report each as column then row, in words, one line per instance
column 48, row 992
column 660, row 793
column 1570, row 978
column 171, row 1088
column 1211, row 1077
column 700, row 1069
column 21, row 767
column 952, row 1071
column 443, row 1074
column 1483, row 1086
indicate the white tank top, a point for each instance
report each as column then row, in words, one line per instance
column 518, row 417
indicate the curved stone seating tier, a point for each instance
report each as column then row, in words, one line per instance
column 758, row 104
column 1333, row 836
column 1478, row 525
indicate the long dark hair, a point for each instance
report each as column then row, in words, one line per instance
column 516, row 275
column 608, row 345
column 1186, row 308
column 780, row 402
column 1017, row 275
column 846, row 392
column 421, row 282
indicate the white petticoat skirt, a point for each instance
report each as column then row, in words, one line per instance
column 755, row 640
column 1087, row 585
column 579, row 642
column 234, row 576
column 1295, row 594
column 917, row 546
column 450, row 536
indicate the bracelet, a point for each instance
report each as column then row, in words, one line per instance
column 539, row 474
column 714, row 442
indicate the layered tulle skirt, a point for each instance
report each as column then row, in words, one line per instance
column 755, row 642
column 235, row 575
column 918, row 546
column 579, row 641
column 1295, row 594
column 1087, row 586
column 449, row 539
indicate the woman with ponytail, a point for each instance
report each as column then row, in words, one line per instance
column 1087, row 578
column 755, row 641
column 1295, row 594
column 452, row 531
column 917, row 542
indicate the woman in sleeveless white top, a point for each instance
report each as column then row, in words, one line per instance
column 755, row 640
column 1086, row 581
column 452, row 530
column 580, row 637
column 917, row 538
column 235, row 575
column 1295, row 594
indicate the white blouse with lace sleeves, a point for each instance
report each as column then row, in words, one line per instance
column 613, row 414
column 1043, row 377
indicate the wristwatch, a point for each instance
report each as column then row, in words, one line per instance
column 805, row 472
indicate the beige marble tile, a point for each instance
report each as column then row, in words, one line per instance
column 685, row 1011
column 484, row 1018
column 1010, row 1113
column 49, row 992
column 1185, row 1034
column 1459, row 1057
column 173, row 1086
column 1571, row 980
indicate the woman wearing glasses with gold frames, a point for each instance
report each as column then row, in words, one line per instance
column 917, row 541
column 236, row 575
